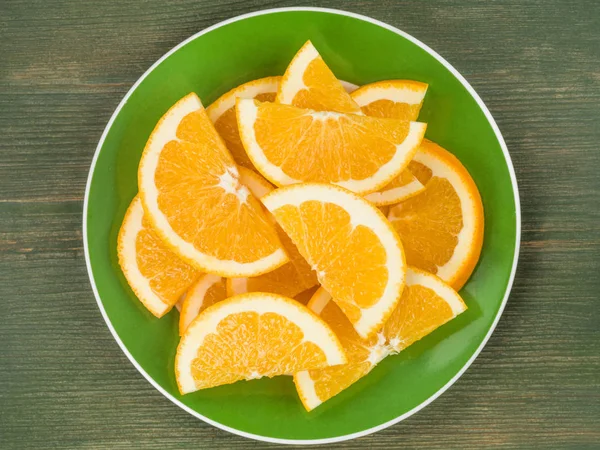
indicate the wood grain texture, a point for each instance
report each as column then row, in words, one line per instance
column 65, row 65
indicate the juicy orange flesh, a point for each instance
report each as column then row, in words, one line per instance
column 227, row 127
column 327, row 149
column 391, row 109
column 250, row 345
column 420, row 171
column 197, row 208
column 290, row 279
column 330, row 381
column 419, row 312
column 428, row 225
column 350, row 261
column 323, row 90
column 169, row 277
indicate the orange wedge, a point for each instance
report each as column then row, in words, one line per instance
column 155, row 274
column 190, row 190
column 290, row 279
column 354, row 250
column 251, row 336
column 442, row 227
column 309, row 83
column 291, row 145
column 393, row 99
column 208, row 290
column 427, row 303
column 222, row 114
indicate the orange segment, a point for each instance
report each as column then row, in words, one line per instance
column 155, row 274
column 190, row 189
column 426, row 304
column 348, row 242
column 442, row 227
column 290, row 279
column 309, row 83
column 290, row 145
column 252, row 336
column 208, row 290
column 222, row 114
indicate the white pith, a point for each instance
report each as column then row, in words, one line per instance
column 395, row 195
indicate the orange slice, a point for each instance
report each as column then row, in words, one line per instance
column 427, row 303
column 190, row 190
column 393, row 99
column 154, row 273
column 208, row 290
column 291, row 145
column 442, row 227
column 309, row 83
column 222, row 114
column 252, row 336
column 354, row 250
column 290, row 279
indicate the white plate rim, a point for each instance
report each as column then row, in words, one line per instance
column 444, row 388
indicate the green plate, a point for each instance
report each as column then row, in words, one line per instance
column 359, row 50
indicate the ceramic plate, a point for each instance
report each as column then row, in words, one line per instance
column 360, row 50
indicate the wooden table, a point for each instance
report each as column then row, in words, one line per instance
column 65, row 65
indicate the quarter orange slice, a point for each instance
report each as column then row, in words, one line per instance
column 354, row 250
column 426, row 304
column 222, row 114
column 155, row 274
column 442, row 227
column 291, row 145
column 397, row 99
column 393, row 99
column 190, row 190
column 290, row 279
column 208, row 290
column 309, row 83
column 252, row 336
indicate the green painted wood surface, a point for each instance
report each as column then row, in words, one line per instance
column 65, row 65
